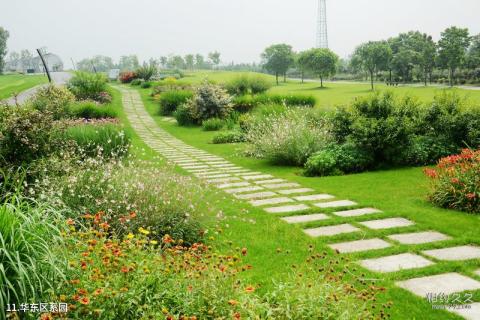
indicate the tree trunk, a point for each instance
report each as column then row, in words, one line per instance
column 451, row 77
column 321, row 82
column 390, row 76
column 284, row 77
column 371, row 78
column 276, row 76
column 303, row 76
column 425, row 76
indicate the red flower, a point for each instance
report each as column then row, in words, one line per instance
column 455, row 180
column 432, row 173
column 471, row 196
column 85, row 300
column 244, row 251
column 124, row 269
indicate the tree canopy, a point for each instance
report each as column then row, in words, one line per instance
column 321, row 62
column 277, row 59
column 452, row 49
column 3, row 47
column 373, row 56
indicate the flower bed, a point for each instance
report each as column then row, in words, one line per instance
column 456, row 182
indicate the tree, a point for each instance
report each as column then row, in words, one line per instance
column 452, row 49
column 129, row 63
column 277, row 59
column 199, row 61
column 163, row 61
column 322, row 62
column 301, row 60
column 190, row 61
column 214, row 57
column 176, row 62
column 473, row 58
column 428, row 53
column 373, row 56
column 3, row 47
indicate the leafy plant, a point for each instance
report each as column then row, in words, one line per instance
column 53, row 100
column 91, row 110
column 184, row 115
column 86, row 85
column 210, row 101
column 127, row 76
column 171, row 100
column 455, row 182
column 213, row 124
column 228, row 137
column 146, row 72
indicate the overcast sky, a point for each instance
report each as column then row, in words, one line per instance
column 240, row 29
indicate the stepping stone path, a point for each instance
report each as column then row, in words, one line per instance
column 279, row 196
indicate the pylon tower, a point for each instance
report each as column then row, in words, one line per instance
column 322, row 31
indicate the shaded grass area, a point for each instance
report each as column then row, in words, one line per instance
column 12, row 84
column 337, row 93
column 398, row 193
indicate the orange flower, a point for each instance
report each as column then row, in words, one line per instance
column 167, row 239
column 124, row 269
column 237, row 316
column 70, row 222
column 76, row 281
column 132, row 215
column 46, row 316
column 85, row 300
column 232, row 302
column 250, row 289
column 82, row 292
column 244, row 251
column 98, row 292
column 104, row 225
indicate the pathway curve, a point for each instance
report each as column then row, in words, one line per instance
column 295, row 204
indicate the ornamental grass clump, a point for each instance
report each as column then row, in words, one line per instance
column 456, row 182
column 288, row 137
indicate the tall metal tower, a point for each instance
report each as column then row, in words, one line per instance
column 322, row 31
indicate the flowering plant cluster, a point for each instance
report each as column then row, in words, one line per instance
column 456, row 181
column 127, row 76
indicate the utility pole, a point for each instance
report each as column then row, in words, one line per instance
column 45, row 65
column 322, row 31
column 73, row 64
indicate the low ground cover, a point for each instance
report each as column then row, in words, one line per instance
column 16, row 83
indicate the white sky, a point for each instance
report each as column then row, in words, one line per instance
column 240, row 29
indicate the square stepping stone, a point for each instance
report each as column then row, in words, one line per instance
column 356, row 212
column 281, row 185
column 471, row 313
column 286, row 209
column 360, row 245
column 306, row 218
column 335, row 204
column 233, row 185
column 259, row 177
column 331, row 230
column 257, row 195
column 216, row 176
column 446, row 283
column 250, row 173
column 295, row 191
column 419, row 237
column 396, row 263
column 223, row 180
column 314, row 197
column 387, row 223
column 264, row 202
column 194, row 167
column 243, row 190
column 223, row 165
column 454, row 253
column 270, row 181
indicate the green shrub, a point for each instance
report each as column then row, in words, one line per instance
column 30, row 269
column 91, row 110
column 137, row 82
column 455, row 182
column 259, row 84
column 52, row 99
column 210, row 101
column 289, row 138
column 213, row 124
column 244, row 103
column 287, row 100
column 171, row 100
column 146, row 72
column 245, row 84
column 228, row 137
column 185, row 115
column 337, row 159
column 99, row 140
column 86, row 85
column 26, row 135
column 146, row 85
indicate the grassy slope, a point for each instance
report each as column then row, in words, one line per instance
column 397, row 192
column 16, row 83
column 337, row 93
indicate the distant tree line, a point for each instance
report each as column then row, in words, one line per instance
column 408, row 57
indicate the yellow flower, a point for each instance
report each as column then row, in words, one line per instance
column 144, row 231
column 130, row 236
column 153, row 242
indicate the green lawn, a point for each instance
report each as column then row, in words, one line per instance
column 400, row 192
column 16, row 83
column 334, row 94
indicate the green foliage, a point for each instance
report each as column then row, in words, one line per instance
column 99, row 140
column 245, row 84
column 85, row 85
column 337, row 159
column 25, row 135
column 146, row 85
column 373, row 56
column 29, row 266
column 452, row 49
column 137, row 82
column 171, row 100
column 322, row 62
column 53, row 100
column 289, row 137
column 4, row 34
column 244, row 103
column 290, row 100
column 228, row 137
column 278, row 58
column 146, row 72
column 213, row 124
column 210, row 101
column 455, row 182
column 91, row 110
column 184, row 115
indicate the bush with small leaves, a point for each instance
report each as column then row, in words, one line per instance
column 211, row 101
column 91, row 110
column 213, row 124
column 228, row 137
column 185, row 115
column 87, row 86
column 171, row 100
column 53, row 100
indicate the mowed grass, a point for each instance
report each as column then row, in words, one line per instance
column 397, row 192
column 12, row 84
column 338, row 93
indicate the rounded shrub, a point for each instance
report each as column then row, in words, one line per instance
column 91, row 110
column 228, row 137
column 171, row 100
column 85, row 85
column 213, row 124
column 211, row 101
column 184, row 115
column 52, row 99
